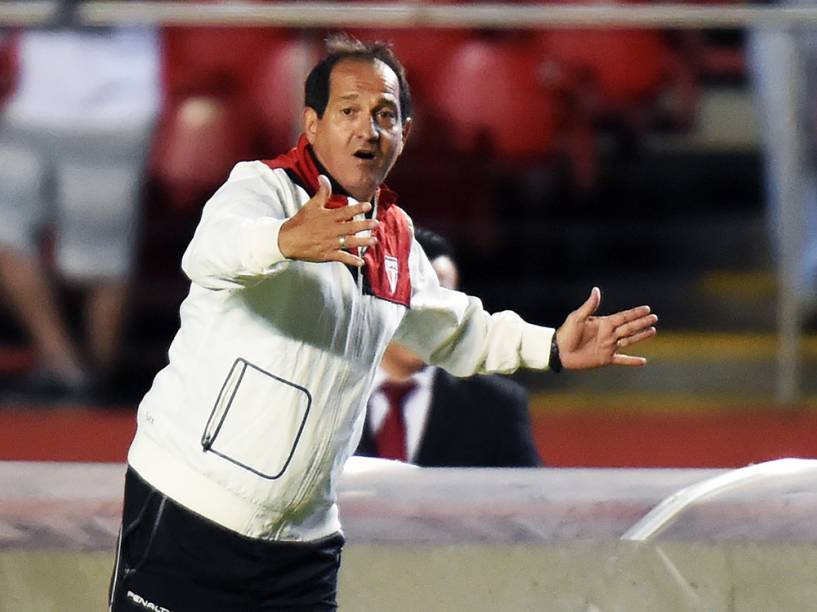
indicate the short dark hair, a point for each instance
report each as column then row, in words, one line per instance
column 344, row 47
column 434, row 244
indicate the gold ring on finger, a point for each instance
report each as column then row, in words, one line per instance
column 342, row 241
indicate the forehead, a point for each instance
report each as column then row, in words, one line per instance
column 363, row 76
column 446, row 271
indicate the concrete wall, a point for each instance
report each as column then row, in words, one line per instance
column 575, row 577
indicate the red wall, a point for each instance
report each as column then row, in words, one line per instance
column 714, row 439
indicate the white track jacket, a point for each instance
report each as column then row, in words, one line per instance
column 264, row 396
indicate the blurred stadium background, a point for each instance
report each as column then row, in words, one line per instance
column 626, row 157
column 558, row 150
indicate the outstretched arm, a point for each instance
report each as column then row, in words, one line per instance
column 589, row 341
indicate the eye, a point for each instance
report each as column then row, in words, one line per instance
column 386, row 116
column 348, row 111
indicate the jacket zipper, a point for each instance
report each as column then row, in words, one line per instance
column 311, row 476
column 225, row 399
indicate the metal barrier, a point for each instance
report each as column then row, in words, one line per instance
column 473, row 539
column 414, row 14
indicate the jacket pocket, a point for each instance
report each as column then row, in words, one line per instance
column 257, row 420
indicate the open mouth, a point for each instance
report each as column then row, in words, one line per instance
column 367, row 155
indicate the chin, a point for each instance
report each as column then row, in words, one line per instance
column 363, row 189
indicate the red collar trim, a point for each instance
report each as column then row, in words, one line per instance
column 301, row 161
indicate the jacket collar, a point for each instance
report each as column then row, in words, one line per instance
column 302, row 162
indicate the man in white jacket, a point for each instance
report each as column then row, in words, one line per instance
column 302, row 269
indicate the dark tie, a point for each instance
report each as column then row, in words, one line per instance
column 391, row 439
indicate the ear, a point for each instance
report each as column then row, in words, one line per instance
column 310, row 124
column 407, row 124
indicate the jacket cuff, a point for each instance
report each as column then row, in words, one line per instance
column 535, row 350
column 262, row 244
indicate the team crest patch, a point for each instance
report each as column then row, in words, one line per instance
column 391, row 272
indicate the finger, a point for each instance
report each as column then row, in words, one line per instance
column 629, row 360
column 344, row 213
column 636, row 338
column 591, row 305
column 359, row 241
column 324, row 190
column 346, row 257
column 625, row 316
column 353, row 227
column 628, row 329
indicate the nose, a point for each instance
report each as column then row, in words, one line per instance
column 367, row 128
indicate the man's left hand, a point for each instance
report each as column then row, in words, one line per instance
column 587, row 341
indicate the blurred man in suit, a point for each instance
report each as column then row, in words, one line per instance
column 423, row 415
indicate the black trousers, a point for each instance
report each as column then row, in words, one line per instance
column 171, row 560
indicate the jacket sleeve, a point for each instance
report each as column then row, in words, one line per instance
column 236, row 241
column 453, row 330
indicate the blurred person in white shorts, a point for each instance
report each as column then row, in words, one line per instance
column 74, row 139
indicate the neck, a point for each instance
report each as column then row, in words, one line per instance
column 396, row 371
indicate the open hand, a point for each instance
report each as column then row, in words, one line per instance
column 318, row 233
column 587, row 341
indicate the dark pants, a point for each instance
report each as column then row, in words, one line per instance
column 172, row 560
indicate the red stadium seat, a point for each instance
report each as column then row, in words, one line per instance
column 493, row 92
column 420, row 50
column 277, row 94
column 211, row 117
column 199, row 139
column 214, row 60
column 635, row 77
column 627, row 66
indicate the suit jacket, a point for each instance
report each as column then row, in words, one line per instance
column 481, row 421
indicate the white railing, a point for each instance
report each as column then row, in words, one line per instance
column 413, row 14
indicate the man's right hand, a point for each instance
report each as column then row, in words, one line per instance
column 317, row 233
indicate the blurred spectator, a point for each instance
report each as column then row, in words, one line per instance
column 7, row 68
column 782, row 64
column 74, row 138
column 424, row 415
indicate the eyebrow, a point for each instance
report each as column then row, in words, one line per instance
column 383, row 99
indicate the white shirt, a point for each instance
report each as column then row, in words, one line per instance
column 415, row 409
column 98, row 80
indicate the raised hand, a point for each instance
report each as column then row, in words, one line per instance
column 587, row 341
column 318, row 233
